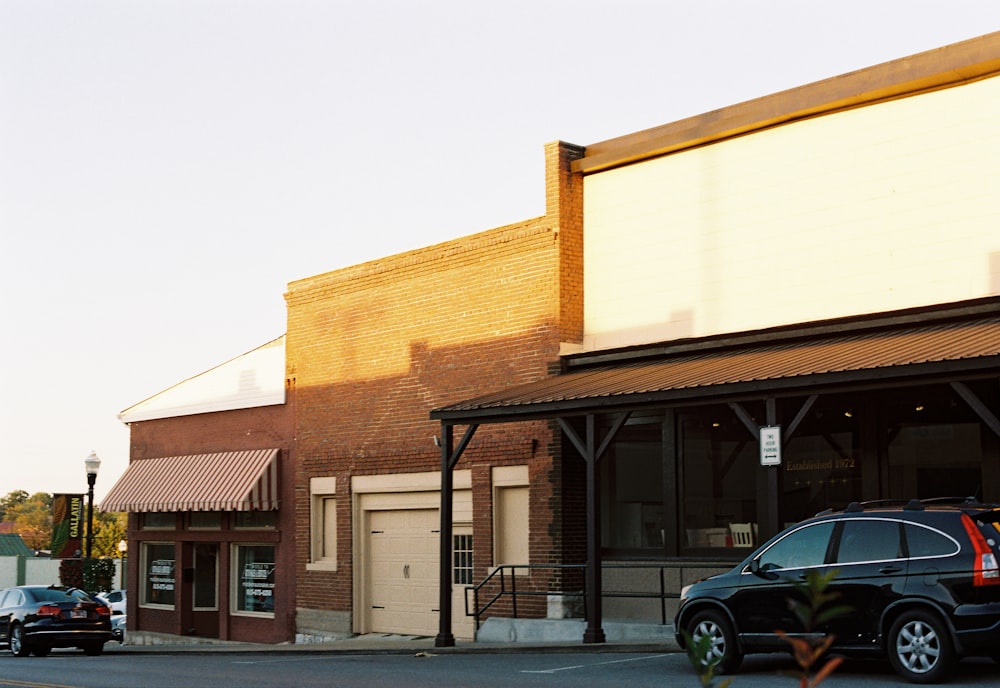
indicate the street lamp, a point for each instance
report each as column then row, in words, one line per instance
column 92, row 463
column 122, row 548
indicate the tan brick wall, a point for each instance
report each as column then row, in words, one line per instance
column 373, row 348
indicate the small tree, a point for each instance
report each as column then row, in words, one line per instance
column 9, row 501
column 92, row 575
column 32, row 519
column 71, row 573
column 110, row 528
column 98, row 574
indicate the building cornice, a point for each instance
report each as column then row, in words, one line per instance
column 945, row 67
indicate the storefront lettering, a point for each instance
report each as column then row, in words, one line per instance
column 258, row 571
column 161, row 574
column 820, row 464
column 257, row 585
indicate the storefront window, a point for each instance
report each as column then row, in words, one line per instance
column 255, row 519
column 822, row 460
column 632, row 489
column 718, row 461
column 935, row 445
column 205, row 520
column 159, row 520
column 254, row 573
column 158, row 574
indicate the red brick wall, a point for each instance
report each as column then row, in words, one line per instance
column 206, row 433
column 372, row 349
column 256, row 428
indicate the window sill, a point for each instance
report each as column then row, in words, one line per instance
column 321, row 566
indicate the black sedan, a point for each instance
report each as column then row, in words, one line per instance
column 36, row 618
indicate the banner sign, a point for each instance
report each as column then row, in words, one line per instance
column 67, row 526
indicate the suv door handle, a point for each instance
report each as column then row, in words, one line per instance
column 890, row 569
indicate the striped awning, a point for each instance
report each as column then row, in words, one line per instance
column 228, row 481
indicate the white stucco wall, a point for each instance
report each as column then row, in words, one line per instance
column 879, row 208
column 36, row 572
column 256, row 378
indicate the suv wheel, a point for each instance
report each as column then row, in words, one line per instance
column 723, row 652
column 919, row 648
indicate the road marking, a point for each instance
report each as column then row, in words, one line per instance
column 587, row 666
column 30, row 684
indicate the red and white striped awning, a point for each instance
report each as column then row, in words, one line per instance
column 227, row 481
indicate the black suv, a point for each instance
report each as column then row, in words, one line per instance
column 920, row 579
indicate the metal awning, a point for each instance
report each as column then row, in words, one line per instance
column 892, row 350
column 946, row 348
column 228, row 481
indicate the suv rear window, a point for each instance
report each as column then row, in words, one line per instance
column 924, row 542
column 869, row 540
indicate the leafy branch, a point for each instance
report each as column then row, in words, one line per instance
column 701, row 658
column 816, row 611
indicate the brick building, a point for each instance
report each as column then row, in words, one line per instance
column 819, row 268
column 371, row 350
column 209, row 491
column 815, row 272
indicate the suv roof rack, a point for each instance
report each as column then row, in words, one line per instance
column 907, row 504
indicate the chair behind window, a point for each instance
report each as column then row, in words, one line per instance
column 742, row 534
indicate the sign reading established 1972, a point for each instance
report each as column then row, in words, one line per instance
column 770, row 445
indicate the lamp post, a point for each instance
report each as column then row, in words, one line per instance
column 92, row 463
column 122, row 548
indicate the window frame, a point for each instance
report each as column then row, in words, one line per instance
column 237, row 586
column 323, row 534
column 144, row 575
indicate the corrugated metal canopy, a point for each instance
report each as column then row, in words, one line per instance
column 885, row 354
column 228, row 481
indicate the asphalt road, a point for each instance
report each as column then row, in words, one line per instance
column 424, row 670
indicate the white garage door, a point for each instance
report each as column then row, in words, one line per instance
column 403, row 583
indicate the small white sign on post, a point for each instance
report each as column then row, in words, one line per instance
column 770, row 445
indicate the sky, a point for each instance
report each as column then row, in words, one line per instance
column 167, row 167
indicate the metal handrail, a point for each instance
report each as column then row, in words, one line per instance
column 501, row 573
column 513, row 593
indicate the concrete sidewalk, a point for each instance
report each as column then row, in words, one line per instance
column 379, row 643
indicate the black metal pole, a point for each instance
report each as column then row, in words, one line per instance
column 445, row 637
column 91, row 479
column 594, row 632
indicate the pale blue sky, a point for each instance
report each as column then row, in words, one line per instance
column 168, row 166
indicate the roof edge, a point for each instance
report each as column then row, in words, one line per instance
column 939, row 68
column 921, row 315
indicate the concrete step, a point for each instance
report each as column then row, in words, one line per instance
column 499, row 630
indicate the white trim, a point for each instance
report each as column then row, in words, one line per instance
column 409, row 482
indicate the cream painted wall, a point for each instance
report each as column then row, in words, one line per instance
column 883, row 207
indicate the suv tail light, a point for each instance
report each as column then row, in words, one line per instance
column 986, row 571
